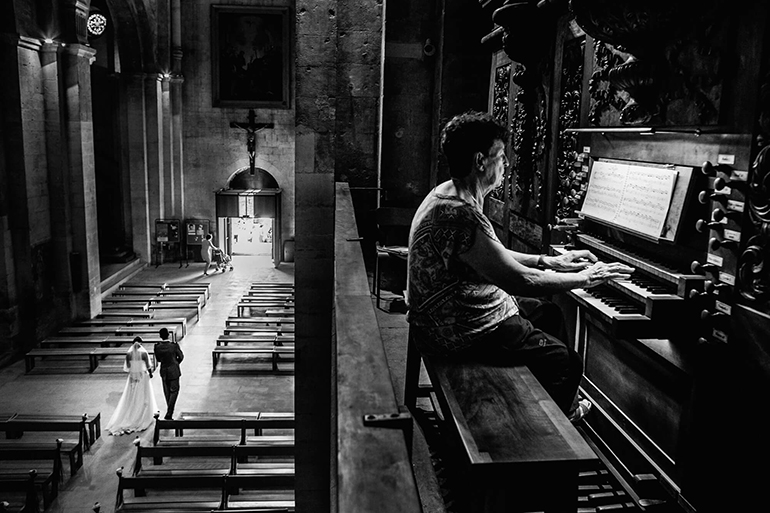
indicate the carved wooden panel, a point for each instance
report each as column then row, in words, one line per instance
column 570, row 191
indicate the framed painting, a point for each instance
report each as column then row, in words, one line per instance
column 250, row 56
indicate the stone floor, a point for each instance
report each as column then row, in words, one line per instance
column 241, row 386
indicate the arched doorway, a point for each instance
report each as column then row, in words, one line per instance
column 249, row 214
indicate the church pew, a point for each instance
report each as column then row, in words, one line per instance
column 258, row 339
column 205, row 286
column 109, row 341
column 273, row 353
column 248, row 306
column 278, row 312
column 125, row 314
column 73, row 449
column 93, row 423
column 123, row 308
column 267, row 321
column 126, row 331
column 239, row 425
column 181, row 322
column 93, row 354
column 279, row 330
column 31, row 480
column 161, row 293
column 203, row 493
column 192, row 455
column 267, row 294
column 264, row 415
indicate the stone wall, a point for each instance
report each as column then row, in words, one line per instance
column 214, row 152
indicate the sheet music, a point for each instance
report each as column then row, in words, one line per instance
column 633, row 196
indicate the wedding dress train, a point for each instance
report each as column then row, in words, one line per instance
column 137, row 405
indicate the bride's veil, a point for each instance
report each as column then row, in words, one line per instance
column 136, row 358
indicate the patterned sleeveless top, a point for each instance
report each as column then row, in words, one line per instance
column 450, row 304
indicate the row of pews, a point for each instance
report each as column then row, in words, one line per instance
column 133, row 309
column 263, row 326
column 225, row 461
column 206, row 461
column 31, row 463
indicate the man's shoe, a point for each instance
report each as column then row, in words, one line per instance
column 168, row 417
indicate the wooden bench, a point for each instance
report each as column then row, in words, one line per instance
column 233, row 462
column 257, row 339
column 518, row 450
column 274, row 353
column 278, row 330
column 93, row 354
column 93, row 423
column 212, row 493
column 124, row 309
column 205, row 286
column 267, row 321
column 23, row 450
column 181, row 322
column 278, row 312
column 241, row 425
column 111, row 341
column 127, row 331
column 245, row 307
column 287, row 418
column 45, row 479
column 125, row 314
column 162, row 293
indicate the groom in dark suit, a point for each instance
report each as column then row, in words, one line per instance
column 169, row 355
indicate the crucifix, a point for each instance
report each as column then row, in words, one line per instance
column 252, row 127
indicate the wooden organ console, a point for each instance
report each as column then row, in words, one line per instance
column 677, row 358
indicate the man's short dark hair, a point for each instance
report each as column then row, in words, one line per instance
column 466, row 134
column 163, row 333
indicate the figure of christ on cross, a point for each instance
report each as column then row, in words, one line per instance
column 252, row 127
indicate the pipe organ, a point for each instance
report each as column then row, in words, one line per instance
column 601, row 93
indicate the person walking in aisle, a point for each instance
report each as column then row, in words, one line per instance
column 137, row 406
column 207, row 252
column 169, row 355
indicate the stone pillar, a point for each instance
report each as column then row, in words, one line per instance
column 17, row 311
column 316, row 56
column 153, row 107
column 168, row 182
column 58, row 179
column 136, row 128
column 78, row 127
column 177, row 152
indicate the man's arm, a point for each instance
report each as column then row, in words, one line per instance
column 179, row 354
column 497, row 264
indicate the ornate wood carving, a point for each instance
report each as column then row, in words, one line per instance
column 528, row 127
column 500, row 111
column 663, row 48
column 753, row 280
column 754, row 262
column 569, row 192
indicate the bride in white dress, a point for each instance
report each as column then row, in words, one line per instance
column 137, row 405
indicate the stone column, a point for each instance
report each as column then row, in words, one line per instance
column 137, row 164
column 153, row 107
column 78, row 127
column 177, row 151
column 58, row 179
column 315, row 438
column 168, row 182
column 17, row 310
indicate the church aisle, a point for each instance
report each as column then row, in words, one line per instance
column 242, row 386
